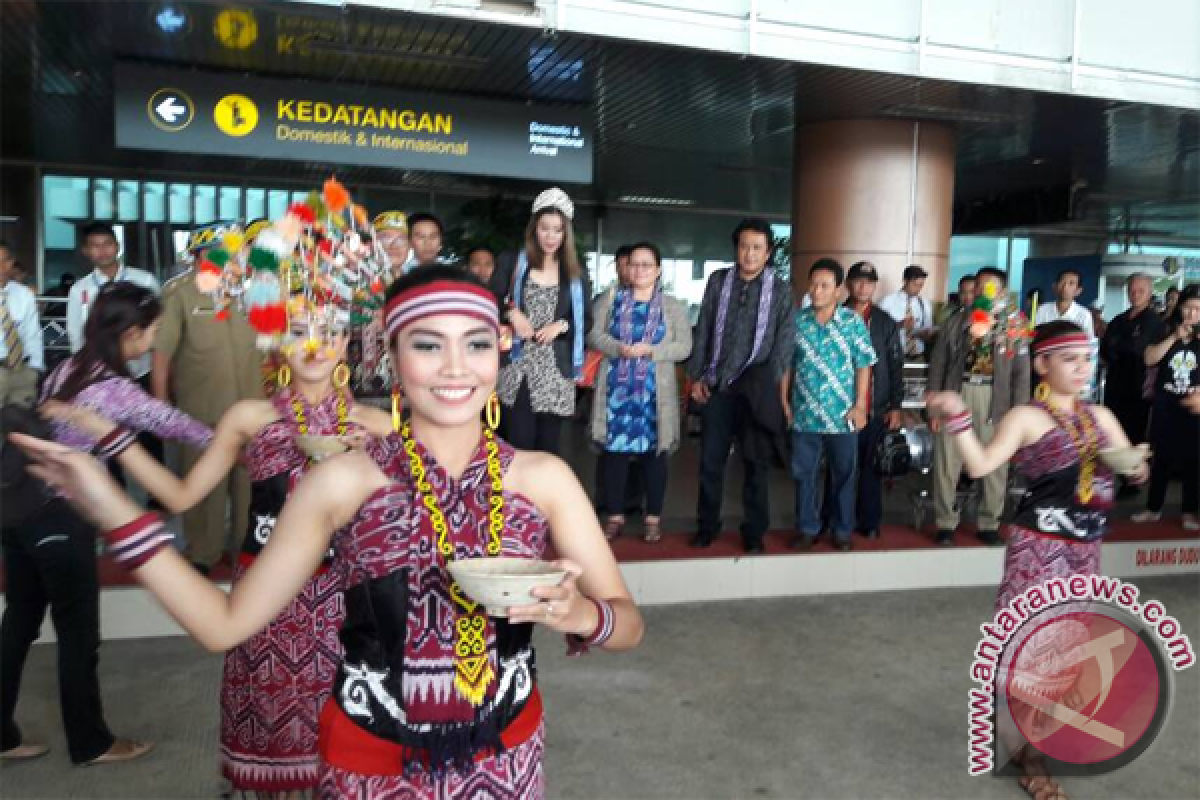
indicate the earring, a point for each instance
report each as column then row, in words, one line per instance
column 341, row 375
column 397, row 404
column 1042, row 392
column 284, row 376
column 491, row 411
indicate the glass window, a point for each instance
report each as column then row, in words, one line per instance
column 64, row 199
column 156, row 194
column 230, row 204
column 256, row 204
column 180, row 204
column 205, row 198
column 129, row 205
column 102, row 198
column 277, row 203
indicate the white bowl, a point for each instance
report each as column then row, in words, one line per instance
column 319, row 447
column 502, row 582
column 1125, row 460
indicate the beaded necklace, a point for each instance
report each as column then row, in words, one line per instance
column 473, row 671
column 299, row 412
column 1087, row 444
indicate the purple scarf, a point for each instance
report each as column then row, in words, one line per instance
column 760, row 323
column 623, row 312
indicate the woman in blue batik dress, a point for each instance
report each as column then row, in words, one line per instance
column 644, row 333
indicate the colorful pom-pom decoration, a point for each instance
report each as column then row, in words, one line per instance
column 302, row 213
column 335, row 195
column 261, row 259
column 989, row 291
column 272, row 241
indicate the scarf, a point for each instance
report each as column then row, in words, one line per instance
column 576, row 287
column 760, row 323
column 623, row 316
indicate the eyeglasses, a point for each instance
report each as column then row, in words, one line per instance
column 643, row 265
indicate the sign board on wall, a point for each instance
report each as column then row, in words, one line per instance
column 198, row 112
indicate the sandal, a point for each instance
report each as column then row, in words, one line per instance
column 121, row 750
column 653, row 530
column 612, row 527
column 24, row 752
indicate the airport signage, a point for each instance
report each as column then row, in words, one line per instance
column 233, row 115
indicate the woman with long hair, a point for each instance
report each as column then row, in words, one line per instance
column 550, row 311
column 1054, row 442
column 50, row 558
column 1174, row 429
column 433, row 698
column 645, row 333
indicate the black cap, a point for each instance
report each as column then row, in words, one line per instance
column 912, row 272
column 863, row 269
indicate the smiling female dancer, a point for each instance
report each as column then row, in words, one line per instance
column 1054, row 442
column 433, row 699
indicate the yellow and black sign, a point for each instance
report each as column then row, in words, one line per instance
column 251, row 117
column 235, row 28
column 170, row 109
column 235, row 115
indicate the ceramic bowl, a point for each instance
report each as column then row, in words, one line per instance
column 319, row 447
column 502, row 582
column 1125, row 460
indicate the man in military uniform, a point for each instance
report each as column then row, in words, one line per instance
column 203, row 365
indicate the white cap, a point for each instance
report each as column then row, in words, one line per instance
column 557, row 199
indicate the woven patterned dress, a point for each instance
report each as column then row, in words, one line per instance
column 396, row 728
column 275, row 682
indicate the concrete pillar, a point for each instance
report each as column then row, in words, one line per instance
column 878, row 190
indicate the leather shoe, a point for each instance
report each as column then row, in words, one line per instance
column 842, row 545
column 801, row 542
column 754, row 548
column 944, row 538
column 701, row 540
column 990, row 538
column 871, row 534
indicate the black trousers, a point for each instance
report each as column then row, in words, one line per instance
column 722, row 418
column 1175, row 440
column 616, row 470
column 50, row 561
column 635, row 489
column 1132, row 413
column 526, row 429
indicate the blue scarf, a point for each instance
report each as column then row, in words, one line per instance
column 576, row 287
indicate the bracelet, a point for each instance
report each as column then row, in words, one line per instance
column 114, row 443
column 605, row 624
column 133, row 544
column 958, row 423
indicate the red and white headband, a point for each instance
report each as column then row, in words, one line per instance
column 1063, row 341
column 441, row 297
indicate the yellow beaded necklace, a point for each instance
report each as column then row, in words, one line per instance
column 343, row 414
column 1087, row 443
column 472, row 670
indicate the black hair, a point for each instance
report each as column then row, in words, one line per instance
column 1190, row 292
column 966, row 278
column 624, row 251
column 1051, row 330
column 425, row 216
column 829, row 265
column 478, row 248
column 97, row 229
column 995, row 272
column 119, row 307
column 1174, row 289
column 756, row 225
column 647, row 246
column 1062, row 273
column 432, row 273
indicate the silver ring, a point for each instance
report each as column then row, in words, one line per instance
column 549, row 609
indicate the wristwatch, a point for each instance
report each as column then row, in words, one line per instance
column 566, row 325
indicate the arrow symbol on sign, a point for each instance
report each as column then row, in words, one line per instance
column 170, row 110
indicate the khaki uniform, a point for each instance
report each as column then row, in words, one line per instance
column 214, row 364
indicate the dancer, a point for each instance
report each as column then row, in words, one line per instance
column 433, row 698
column 1054, row 442
column 50, row 558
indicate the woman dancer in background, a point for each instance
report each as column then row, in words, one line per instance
column 1054, row 442
column 433, row 699
column 50, row 559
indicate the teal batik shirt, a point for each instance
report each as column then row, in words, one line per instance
column 824, row 364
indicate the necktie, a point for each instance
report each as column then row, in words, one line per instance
column 910, row 344
column 12, row 341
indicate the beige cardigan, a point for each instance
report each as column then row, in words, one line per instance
column 675, row 347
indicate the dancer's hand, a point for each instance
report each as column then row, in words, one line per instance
column 84, row 480
column 944, row 404
column 77, row 417
column 1140, row 475
column 562, row 608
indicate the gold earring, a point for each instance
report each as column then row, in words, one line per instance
column 491, row 411
column 284, row 376
column 397, row 404
column 341, row 376
column 1042, row 392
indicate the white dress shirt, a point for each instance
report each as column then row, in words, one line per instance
column 22, row 308
column 1075, row 313
column 83, row 295
column 899, row 304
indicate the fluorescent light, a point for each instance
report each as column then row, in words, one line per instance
column 644, row 200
